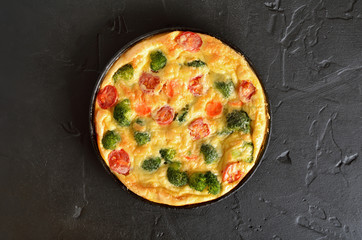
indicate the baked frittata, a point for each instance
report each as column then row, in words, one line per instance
column 180, row 118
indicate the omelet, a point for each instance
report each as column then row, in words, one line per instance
column 180, row 118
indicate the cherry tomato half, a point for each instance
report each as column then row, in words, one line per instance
column 107, row 97
column 199, row 129
column 195, row 86
column 246, row 91
column 189, row 41
column 232, row 173
column 165, row 115
column 148, row 82
column 119, row 161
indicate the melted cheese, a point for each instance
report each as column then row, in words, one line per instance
column 222, row 63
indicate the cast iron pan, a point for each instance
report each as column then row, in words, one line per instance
column 94, row 135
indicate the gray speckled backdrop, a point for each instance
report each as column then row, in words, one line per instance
column 309, row 57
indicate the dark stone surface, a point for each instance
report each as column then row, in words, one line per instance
column 309, row 57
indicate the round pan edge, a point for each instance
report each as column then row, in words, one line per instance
column 93, row 133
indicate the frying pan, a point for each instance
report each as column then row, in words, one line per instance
column 93, row 134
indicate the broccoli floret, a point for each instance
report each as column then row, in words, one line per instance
column 158, row 60
column 126, row 105
column 209, row 152
column 110, row 140
column 225, row 88
column 168, row 154
column 238, row 120
column 151, row 164
column 213, row 185
column 225, row 131
column 175, row 176
column 140, row 122
column 245, row 153
column 122, row 112
column 182, row 115
column 141, row 138
column 197, row 181
column 124, row 73
column 175, row 165
column 196, row 63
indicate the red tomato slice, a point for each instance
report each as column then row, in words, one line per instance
column 231, row 173
column 195, row 86
column 165, row 115
column 246, row 91
column 189, row 41
column 148, row 82
column 199, row 129
column 213, row 108
column 119, row 161
column 107, row 97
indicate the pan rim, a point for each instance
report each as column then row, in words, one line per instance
column 93, row 135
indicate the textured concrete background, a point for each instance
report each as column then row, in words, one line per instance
column 309, row 57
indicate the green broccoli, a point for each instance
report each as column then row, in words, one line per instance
column 124, row 73
column 225, row 88
column 110, row 140
column 182, row 115
column 141, row 137
column 151, row 164
column 196, row 63
column 175, row 176
column 168, row 154
column 213, row 185
column 245, row 153
column 224, row 132
column 197, row 181
column 140, row 122
column 209, row 152
column 175, row 165
column 122, row 112
column 158, row 60
column 238, row 120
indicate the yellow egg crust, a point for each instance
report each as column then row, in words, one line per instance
column 222, row 63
